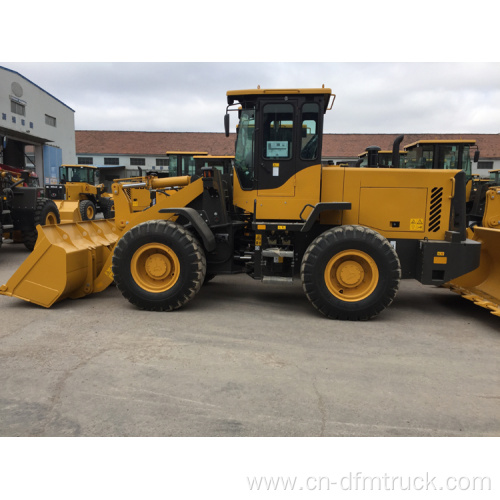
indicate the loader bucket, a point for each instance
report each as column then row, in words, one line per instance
column 65, row 262
column 482, row 285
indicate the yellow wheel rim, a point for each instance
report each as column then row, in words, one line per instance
column 155, row 267
column 90, row 212
column 51, row 219
column 351, row 275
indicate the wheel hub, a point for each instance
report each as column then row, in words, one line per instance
column 157, row 266
column 350, row 274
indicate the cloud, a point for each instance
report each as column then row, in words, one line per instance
column 191, row 96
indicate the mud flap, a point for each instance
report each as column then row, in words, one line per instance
column 65, row 262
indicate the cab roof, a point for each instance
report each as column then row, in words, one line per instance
column 236, row 95
column 79, row 166
column 200, row 153
column 364, row 153
column 213, row 157
column 470, row 142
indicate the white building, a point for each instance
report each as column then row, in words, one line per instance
column 37, row 130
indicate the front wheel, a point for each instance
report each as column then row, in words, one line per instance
column 350, row 273
column 158, row 266
column 107, row 207
column 87, row 210
column 46, row 214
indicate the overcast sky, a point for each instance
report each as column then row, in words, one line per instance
column 191, row 97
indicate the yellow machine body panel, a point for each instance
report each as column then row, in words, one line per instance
column 413, row 204
column 277, row 203
column 76, row 191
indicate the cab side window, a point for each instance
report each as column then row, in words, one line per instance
column 309, row 131
column 277, row 131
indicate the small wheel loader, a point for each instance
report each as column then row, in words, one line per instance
column 78, row 198
column 348, row 234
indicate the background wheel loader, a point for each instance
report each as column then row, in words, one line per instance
column 348, row 234
column 22, row 206
column 78, row 198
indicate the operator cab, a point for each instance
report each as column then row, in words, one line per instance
column 182, row 163
column 279, row 134
column 279, row 139
column 78, row 173
column 442, row 154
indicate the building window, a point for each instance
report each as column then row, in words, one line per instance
column 31, row 124
column 138, row 161
column 23, row 123
column 161, row 162
column 18, row 108
column 111, row 161
column 485, row 165
column 50, row 120
column 85, row 160
column 4, row 116
column 13, row 119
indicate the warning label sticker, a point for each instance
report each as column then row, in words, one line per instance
column 417, row 224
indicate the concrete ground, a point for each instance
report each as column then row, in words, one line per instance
column 247, row 359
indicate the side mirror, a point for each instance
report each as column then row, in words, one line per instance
column 226, row 124
column 476, row 156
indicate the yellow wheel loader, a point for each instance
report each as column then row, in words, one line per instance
column 348, row 234
column 224, row 163
column 78, row 198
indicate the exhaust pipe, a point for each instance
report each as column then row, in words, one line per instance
column 395, row 151
column 372, row 156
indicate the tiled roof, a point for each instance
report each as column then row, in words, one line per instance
column 100, row 142
column 351, row 145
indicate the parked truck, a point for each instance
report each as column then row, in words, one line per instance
column 23, row 206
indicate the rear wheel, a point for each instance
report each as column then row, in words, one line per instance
column 350, row 272
column 87, row 210
column 158, row 266
column 46, row 214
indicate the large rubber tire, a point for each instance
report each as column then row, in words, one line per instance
column 87, row 210
column 350, row 273
column 46, row 214
column 159, row 266
column 107, row 207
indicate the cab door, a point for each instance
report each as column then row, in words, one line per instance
column 275, row 162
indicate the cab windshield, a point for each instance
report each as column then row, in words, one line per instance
column 243, row 161
column 77, row 174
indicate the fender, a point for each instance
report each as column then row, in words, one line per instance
column 197, row 221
